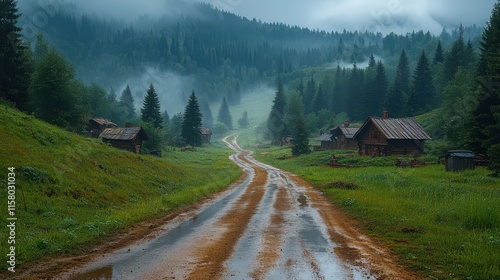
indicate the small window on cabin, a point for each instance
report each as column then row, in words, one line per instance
column 375, row 135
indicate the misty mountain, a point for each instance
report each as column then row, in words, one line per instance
column 196, row 46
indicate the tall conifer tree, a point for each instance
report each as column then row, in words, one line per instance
column 191, row 122
column 150, row 111
column 485, row 128
column 15, row 69
column 422, row 97
column 276, row 120
column 224, row 115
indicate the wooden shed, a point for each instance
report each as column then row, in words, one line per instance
column 343, row 137
column 97, row 125
column 206, row 135
column 125, row 138
column 458, row 160
column 390, row 136
column 326, row 142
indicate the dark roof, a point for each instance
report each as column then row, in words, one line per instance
column 325, row 137
column 349, row 132
column 102, row 121
column 124, row 133
column 205, row 131
column 460, row 153
column 402, row 128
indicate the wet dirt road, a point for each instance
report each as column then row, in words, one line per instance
column 269, row 225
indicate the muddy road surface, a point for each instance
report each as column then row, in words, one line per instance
column 269, row 225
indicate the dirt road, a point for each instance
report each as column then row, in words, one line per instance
column 269, row 225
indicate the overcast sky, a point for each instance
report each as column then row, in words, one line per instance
column 399, row 16
column 379, row 15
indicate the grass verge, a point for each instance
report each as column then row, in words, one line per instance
column 443, row 225
column 72, row 190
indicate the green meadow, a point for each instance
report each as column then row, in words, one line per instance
column 73, row 190
column 443, row 225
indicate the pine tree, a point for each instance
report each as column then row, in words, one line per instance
column 293, row 110
column 15, row 67
column 356, row 88
column 438, row 54
column 56, row 95
column 191, row 122
column 208, row 119
column 309, row 95
column 455, row 58
column 224, row 115
column 422, row 97
column 243, row 122
column 380, row 87
column 485, row 128
column 150, row 112
column 301, row 143
column 397, row 96
column 276, row 121
column 319, row 101
column 404, row 73
column 127, row 102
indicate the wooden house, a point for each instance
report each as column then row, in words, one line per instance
column 326, row 142
column 206, row 135
column 343, row 137
column 97, row 125
column 125, row 138
column 390, row 136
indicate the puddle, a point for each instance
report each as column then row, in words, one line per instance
column 104, row 273
column 302, row 200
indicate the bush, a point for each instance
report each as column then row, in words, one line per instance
column 220, row 128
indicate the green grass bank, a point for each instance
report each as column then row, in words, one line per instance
column 443, row 225
column 72, row 190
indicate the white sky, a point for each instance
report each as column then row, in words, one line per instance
column 399, row 16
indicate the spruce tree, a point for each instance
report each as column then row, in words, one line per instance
column 15, row 66
column 380, row 87
column 455, row 58
column 224, row 115
column 423, row 93
column 191, row 122
column 485, row 128
column 56, row 95
column 150, row 112
column 276, row 121
column 438, row 54
column 208, row 119
column 301, row 143
column 397, row 96
column 309, row 95
column 293, row 110
column 127, row 102
column 243, row 122
column 319, row 101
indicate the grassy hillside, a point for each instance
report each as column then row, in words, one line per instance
column 77, row 189
column 445, row 225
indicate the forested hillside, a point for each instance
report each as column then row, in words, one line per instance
column 219, row 49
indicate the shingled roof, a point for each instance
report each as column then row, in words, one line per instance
column 348, row 132
column 104, row 122
column 124, row 133
column 397, row 128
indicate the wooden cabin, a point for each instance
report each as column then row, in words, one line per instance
column 125, row 138
column 206, row 135
column 390, row 136
column 343, row 137
column 326, row 142
column 97, row 125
